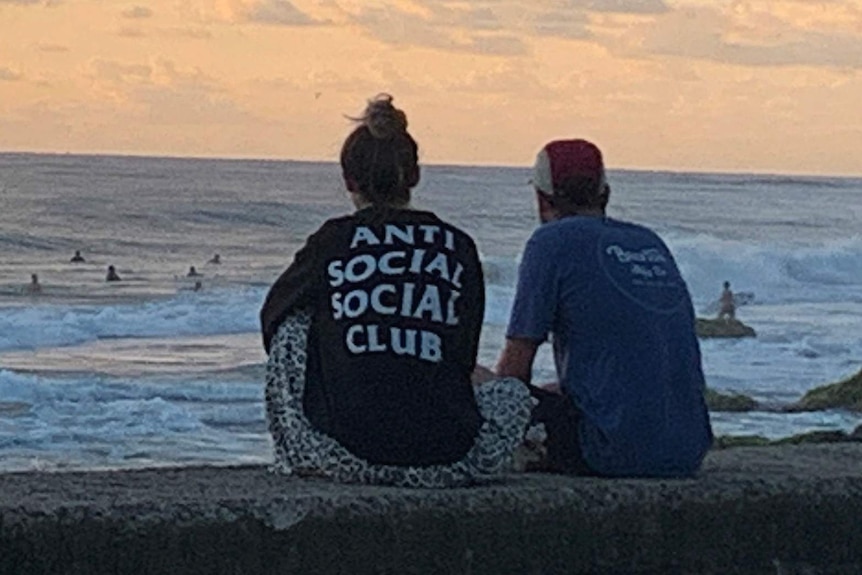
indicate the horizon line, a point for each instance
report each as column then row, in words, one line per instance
column 240, row 158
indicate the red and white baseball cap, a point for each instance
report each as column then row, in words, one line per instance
column 561, row 160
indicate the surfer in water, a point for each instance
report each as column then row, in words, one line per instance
column 197, row 287
column 193, row 273
column 726, row 303
column 216, row 259
column 34, row 287
column 77, row 258
column 112, row 275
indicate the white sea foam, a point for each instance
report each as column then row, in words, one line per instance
column 36, row 389
column 782, row 273
column 775, row 275
column 111, row 420
column 214, row 312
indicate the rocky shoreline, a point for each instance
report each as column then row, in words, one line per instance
column 723, row 328
column 846, row 394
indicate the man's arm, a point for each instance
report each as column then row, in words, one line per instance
column 517, row 359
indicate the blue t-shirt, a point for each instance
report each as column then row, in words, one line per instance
column 624, row 342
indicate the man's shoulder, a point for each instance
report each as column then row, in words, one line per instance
column 562, row 238
column 634, row 230
column 567, row 230
column 629, row 225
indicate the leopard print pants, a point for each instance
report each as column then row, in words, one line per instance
column 302, row 450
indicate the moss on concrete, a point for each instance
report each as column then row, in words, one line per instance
column 723, row 328
column 733, row 402
column 845, row 394
column 728, row 441
column 827, row 436
column 811, row 437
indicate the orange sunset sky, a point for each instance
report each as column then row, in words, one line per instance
column 725, row 85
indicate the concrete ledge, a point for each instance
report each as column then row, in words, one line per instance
column 787, row 509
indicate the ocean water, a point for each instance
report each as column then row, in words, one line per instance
column 149, row 372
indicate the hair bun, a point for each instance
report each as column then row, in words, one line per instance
column 382, row 119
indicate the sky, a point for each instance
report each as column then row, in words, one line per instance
column 686, row 85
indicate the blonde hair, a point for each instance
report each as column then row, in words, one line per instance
column 382, row 118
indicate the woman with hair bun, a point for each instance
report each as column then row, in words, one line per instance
column 372, row 334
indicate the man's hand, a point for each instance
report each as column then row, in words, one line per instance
column 517, row 359
column 482, row 374
column 553, row 387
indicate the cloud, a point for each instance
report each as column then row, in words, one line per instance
column 55, row 48
column 115, row 73
column 130, row 32
column 621, row 6
column 574, row 19
column 775, row 15
column 193, row 33
column 439, row 28
column 562, row 24
column 268, row 12
column 160, row 92
column 758, row 40
column 31, row 2
column 137, row 13
column 513, row 78
column 459, row 15
column 493, row 44
column 191, row 104
column 189, row 33
column 279, row 13
column 9, row 75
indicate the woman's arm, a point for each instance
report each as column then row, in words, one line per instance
column 293, row 290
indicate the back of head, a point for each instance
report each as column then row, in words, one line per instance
column 572, row 172
column 380, row 159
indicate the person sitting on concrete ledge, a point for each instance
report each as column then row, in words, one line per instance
column 630, row 398
column 372, row 335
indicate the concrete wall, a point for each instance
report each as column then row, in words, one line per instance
column 777, row 510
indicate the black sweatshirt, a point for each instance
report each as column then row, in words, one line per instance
column 397, row 301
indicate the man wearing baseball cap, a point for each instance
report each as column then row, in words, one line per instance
column 630, row 396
